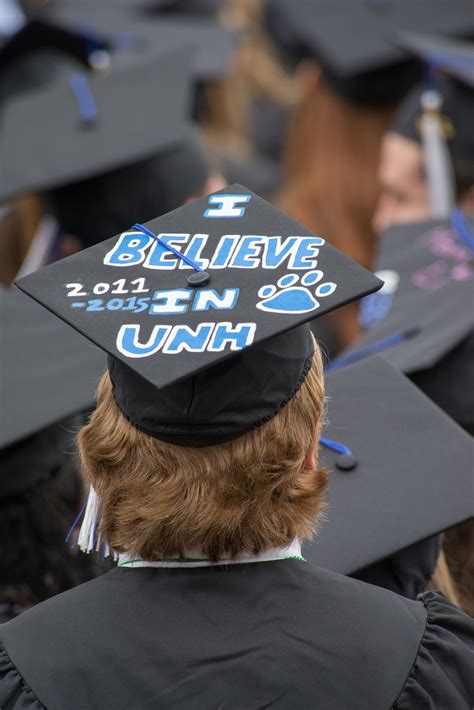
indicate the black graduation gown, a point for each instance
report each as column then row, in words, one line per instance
column 277, row 634
column 406, row 572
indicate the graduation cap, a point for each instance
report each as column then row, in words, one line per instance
column 39, row 391
column 423, row 323
column 90, row 125
column 199, row 8
column 455, row 57
column 133, row 34
column 404, row 484
column 38, row 35
column 451, row 66
column 355, row 40
column 203, row 312
column 114, row 199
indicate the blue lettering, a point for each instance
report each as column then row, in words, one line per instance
column 238, row 337
column 129, row 250
column 209, row 298
column 194, row 251
column 171, row 301
column 306, row 253
column 227, row 205
column 183, row 337
column 275, row 253
column 129, row 345
column 224, row 251
column 161, row 258
column 246, row 255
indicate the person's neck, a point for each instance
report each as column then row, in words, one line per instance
column 195, row 558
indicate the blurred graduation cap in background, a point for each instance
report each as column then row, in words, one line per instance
column 228, row 354
column 48, row 374
column 90, row 125
column 439, row 114
column 40, row 51
column 355, row 40
column 394, row 482
column 38, row 35
column 422, row 323
column 197, row 8
column 134, row 34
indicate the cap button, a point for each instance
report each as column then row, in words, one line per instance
column 346, row 462
column 199, row 278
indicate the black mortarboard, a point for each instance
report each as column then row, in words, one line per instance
column 456, row 57
column 48, row 372
column 89, row 126
column 199, row 8
column 115, row 199
column 354, row 40
column 48, row 376
column 456, row 87
column 40, row 35
column 408, row 477
column 422, row 322
column 203, row 312
column 133, row 35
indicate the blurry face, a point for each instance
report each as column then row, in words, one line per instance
column 404, row 192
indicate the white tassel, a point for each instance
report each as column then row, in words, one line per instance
column 439, row 171
column 89, row 537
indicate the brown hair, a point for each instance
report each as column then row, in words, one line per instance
column 331, row 164
column 247, row 495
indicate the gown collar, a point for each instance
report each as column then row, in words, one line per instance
column 196, row 559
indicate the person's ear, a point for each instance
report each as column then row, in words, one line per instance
column 310, row 460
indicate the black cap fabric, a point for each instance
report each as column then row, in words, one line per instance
column 456, row 87
column 411, row 473
column 115, row 199
column 255, row 276
column 47, row 371
column 198, row 8
column 39, row 35
column 134, row 35
column 422, row 322
column 90, row 125
column 455, row 57
column 355, row 40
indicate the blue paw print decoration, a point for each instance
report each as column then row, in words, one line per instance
column 292, row 298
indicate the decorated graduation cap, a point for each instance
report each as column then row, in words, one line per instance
column 394, row 481
column 203, row 313
column 90, row 125
column 49, row 374
column 421, row 321
column 354, row 40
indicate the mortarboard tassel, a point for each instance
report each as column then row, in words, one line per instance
column 89, row 537
column 85, row 99
column 437, row 160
